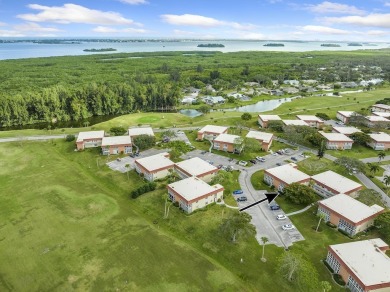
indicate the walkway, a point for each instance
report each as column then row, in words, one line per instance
column 300, row 211
column 222, row 203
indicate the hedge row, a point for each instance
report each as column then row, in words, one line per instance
column 148, row 187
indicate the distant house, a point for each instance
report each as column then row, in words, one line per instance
column 380, row 108
column 373, row 121
column 347, row 131
column 264, row 119
column 312, row 121
column 155, row 166
column 363, row 265
column 290, row 90
column 291, row 82
column 192, row 90
column 324, row 87
column 225, row 142
column 348, row 214
column 330, row 183
column 282, row 176
column 188, row 100
column 294, row 123
column 210, row 88
column 337, row 141
column 344, row 116
column 276, row 92
column 265, row 139
column 116, row 145
column 196, row 167
column 89, row 139
column 379, row 141
column 348, row 84
column 193, row 193
column 210, row 132
column 134, row 132
column 382, row 114
column 212, row 100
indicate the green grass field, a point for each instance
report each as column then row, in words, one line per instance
column 68, row 224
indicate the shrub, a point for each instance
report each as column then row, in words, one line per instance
column 346, row 234
column 70, row 138
column 327, row 265
column 176, row 204
column 331, row 225
column 338, row 279
column 148, row 187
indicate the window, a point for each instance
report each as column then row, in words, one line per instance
column 347, row 227
column 333, row 263
column 353, row 285
column 325, row 212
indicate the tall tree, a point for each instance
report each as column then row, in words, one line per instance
column 321, row 150
column 386, row 181
column 370, row 197
column 325, row 286
column 382, row 222
column 264, row 240
column 381, row 155
column 299, row 194
column 322, row 217
column 237, row 226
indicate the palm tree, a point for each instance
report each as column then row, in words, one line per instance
column 322, row 217
column 386, row 181
column 373, row 167
column 127, row 166
column 264, row 240
column 326, row 286
column 381, row 155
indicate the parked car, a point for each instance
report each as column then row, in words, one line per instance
column 274, row 207
column 165, row 140
column 242, row 199
column 261, row 159
column 238, row 192
column 229, row 168
column 136, row 154
column 230, row 159
column 210, row 162
column 219, row 166
column 294, row 158
column 254, row 161
column 203, row 152
column 281, row 217
column 288, row 227
column 279, row 164
column 118, row 159
column 131, row 155
column 243, row 163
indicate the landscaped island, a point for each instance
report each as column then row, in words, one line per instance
column 330, row 45
column 355, row 45
column 100, row 50
column 210, row 46
column 274, row 45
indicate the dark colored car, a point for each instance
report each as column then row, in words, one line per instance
column 242, row 199
column 294, row 158
column 274, row 207
column 238, row 192
column 279, row 164
column 136, row 154
column 131, row 155
column 219, row 166
column 253, row 161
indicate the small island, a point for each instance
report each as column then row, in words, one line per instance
column 274, row 45
column 100, row 50
column 355, row 45
column 211, row 46
column 330, row 45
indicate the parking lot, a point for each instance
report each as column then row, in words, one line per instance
column 119, row 164
column 263, row 218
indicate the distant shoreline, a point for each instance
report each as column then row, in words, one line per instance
column 100, row 50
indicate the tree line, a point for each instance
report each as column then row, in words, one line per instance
column 65, row 103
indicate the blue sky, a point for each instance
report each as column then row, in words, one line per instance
column 367, row 20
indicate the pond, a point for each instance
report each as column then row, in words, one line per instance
column 261, row 106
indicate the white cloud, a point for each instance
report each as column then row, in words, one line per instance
column 10, row 33
column 387, row 4
column 72, row 13
column 332, row 7
column 323, row 29
column 3, row 24
column 191, row 20
column 377, row 32
column 275, row 1
column 34, row 27
column 134, row 2
column 203, row 21
column 372, row 20
column 105, row 29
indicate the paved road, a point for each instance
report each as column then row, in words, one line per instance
column 375, row 159
column 370, row 185
column 31, row 138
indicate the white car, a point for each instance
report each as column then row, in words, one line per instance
column 288, row 227
column 243, row 163
column 281, row 217
column 261, row 159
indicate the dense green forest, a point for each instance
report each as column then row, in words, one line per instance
column 75, row 88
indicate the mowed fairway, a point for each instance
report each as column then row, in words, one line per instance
column 66, row 224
